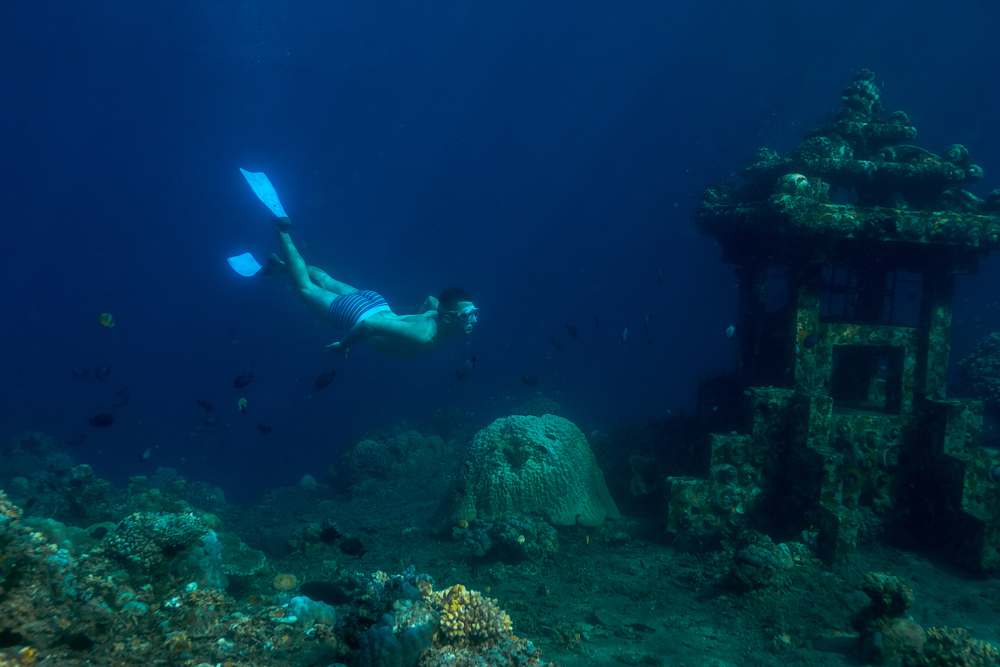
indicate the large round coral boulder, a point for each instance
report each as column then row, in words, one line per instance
column 522, row 465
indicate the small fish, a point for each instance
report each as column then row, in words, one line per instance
column 102, row 372
column 212, row 419
column 242, row 380
column 102, row 420
column 80, row 372
column 659, row 277
column 730, row 331
column 571, row 330
column 121, row 397
column 464, row 369
column 206, row 406
column 264, row 429
column 146, row 455
column 242, row 405
column 558, row 344
column 325, row 379
column 625, row 334
column 77, row 439
column 529, row 380
column 352, row 547
column 811, row 340
column 99, row 532
column 645, row 325
column 330, row 534
column 597, row 321
column 107, row 320
column 508, row 347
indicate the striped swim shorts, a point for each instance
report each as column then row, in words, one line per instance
column 350, row 309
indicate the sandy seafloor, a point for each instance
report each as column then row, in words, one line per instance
column 636, row 602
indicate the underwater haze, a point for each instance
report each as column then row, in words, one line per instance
column 546, row 157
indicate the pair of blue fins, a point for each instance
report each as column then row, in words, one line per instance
column 245, row 264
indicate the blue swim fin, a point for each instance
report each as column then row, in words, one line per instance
column 264, row 191
column 245, row 264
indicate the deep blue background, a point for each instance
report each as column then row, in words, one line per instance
column 545, row 156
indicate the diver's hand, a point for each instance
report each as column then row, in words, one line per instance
column 337, row 349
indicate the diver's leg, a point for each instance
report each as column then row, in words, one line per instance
column 320, row 277
column 315, row 297
column 324, row 280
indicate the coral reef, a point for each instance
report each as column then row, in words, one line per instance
column 889, row 637
column 759, row 562
column 420, row 627
column 311, row 612
column 145, row 541
column 468, row 617
column 397, row 639
column 237, row 558
column 886, row 636
column 528, row 465
column 511, row 539
column 91, row 608
column 284, row 582
column 946, row 648
column 371, row 457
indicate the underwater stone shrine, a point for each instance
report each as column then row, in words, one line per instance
column 835, row 425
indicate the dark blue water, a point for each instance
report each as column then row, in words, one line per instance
column 545, row 156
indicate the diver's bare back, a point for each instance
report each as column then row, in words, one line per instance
column 415, row 340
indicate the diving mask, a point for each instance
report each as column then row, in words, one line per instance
column 469, row 314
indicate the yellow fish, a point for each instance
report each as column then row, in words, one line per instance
column 242, row 405
column 107, row 320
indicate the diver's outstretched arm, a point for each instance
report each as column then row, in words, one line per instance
column 430, row 303
column 413, row 329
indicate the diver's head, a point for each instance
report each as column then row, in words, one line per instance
column 455, row 308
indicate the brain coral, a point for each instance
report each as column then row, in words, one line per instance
column 528, row 465
column 371, row 457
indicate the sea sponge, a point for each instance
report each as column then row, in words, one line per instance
column 522, row 465
column 467, row 615
column 285, row 582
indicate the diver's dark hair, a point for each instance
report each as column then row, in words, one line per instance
column 450, row 297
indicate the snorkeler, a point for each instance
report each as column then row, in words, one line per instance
column 363, row 314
